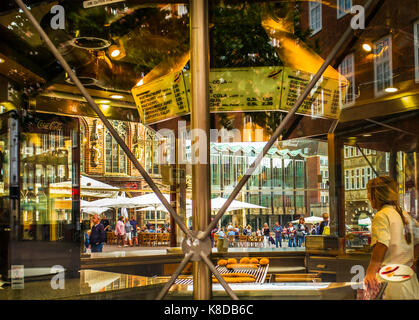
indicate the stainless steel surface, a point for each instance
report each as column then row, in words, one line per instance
column 283, row 124
column 97, row 110
column 200, row 129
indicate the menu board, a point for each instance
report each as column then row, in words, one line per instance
column 240, row 89
column 162, row 99
column 324, row 100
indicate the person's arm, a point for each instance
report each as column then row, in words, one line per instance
column 377, row 258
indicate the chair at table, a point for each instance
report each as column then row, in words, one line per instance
column 232, row 241
column 141, row 238
column 260, row 240
column 159, row 241
column 153, row 239
column 166, row 239
column 110, row 237
column 243, row 241
column 216, row 236
column 146, row 239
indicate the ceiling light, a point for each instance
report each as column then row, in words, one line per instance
column 117, row 96
column 115, row 53
column 104, row 107
column 367, row 135
column 391, row 90
column 2, row 60
column 104, row 101
column 366, row 47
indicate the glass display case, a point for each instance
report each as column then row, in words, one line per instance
column 40, row 227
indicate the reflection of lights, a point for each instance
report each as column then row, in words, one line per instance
column 366, row 47
column 115, row 53
column 117, row 96
column 391, row 90
column 367, row 135
column 104, row 107
column 104, row 101
column 139, row 83
column 2, row 60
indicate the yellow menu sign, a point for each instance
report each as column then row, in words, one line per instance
column 244, row 89
column 162, row 99
column 241, row 89
column 324, row 99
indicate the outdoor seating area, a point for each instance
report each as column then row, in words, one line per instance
column 144, row 239
column 243, row 241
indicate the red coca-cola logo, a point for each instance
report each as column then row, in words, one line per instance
column 53, row 125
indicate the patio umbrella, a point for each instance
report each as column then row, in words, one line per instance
column 118, row 202
column 310, row 220
column 151, row 200
column 88, row 187
column 84, row 205
column 217, row 203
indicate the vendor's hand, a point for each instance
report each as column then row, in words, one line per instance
column 370, row 280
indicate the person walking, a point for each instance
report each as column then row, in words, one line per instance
column 120, row 232
column 393, row 239
column 106, row 227
column 134, row 231
column 97, row 235
column 324, row 228
column 300, row 232
column 291, row 235
column 128, row 233
column 266, row 233
column 278, row 234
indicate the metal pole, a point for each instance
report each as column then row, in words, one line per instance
column 283, row 124
column 102, row 117
column 200, row 120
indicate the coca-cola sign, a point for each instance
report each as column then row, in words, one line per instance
column 53, row 125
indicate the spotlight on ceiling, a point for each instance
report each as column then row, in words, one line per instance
column 117, row 51
column 117, row 96
column 391, row 90
column 366, row 47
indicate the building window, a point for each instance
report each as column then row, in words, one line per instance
column 352, row 180
column 215, row 170
column 343, row 7
column 347, row 71
column 346, row 180
column 315, row 16
column 416, row 35
column 363, row 178
column 114, row 155
column 383, row 74
column 276, row 172
column 228, row 170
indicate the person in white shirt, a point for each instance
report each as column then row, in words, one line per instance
column 392, row 239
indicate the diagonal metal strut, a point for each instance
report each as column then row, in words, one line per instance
column 105, row 121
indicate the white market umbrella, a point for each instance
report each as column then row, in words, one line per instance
column 118, row 202
column 91, row 210
column 311, row 220
column 151, row 200
column 88, row 188
column 217, row 203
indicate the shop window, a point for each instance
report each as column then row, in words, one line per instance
column 228, row 170
column 266, row 172
column 383, row 74
column 299, row 173
column 343, row 7
column 347, row 71
column 289, row 174
column 315, row 16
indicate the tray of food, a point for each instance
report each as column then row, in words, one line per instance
column 246, row 270
column 396, row 273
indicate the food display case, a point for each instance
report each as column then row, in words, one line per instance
column 38, row 229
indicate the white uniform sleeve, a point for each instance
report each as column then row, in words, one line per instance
column 380, row 229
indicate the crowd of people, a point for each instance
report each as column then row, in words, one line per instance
column 126, row 232
column 292, row 234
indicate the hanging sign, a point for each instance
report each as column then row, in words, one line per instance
column 96, row 3
column 162, row 99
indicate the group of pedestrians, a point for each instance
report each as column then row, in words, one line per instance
column 126, row 232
